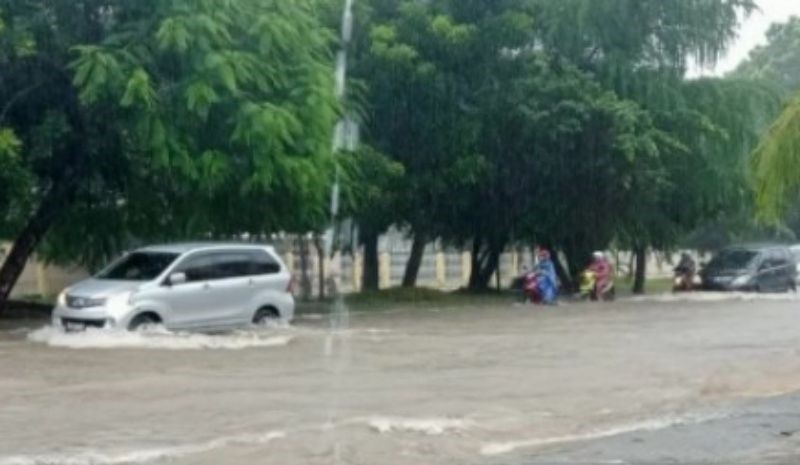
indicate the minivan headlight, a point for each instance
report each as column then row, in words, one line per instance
column 79, row 303
column 119, row 302
column 742, row 280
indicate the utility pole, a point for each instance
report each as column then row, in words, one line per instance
column 346, row 134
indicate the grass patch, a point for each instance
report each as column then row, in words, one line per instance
column 396, row 297
column 420, row 295
column 38, row 299
column 388, row 299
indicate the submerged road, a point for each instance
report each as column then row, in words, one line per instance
column 628, row 382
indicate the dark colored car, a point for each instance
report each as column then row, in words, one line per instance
column 768, row 268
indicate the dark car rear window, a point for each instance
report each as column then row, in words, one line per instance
column 733, row 259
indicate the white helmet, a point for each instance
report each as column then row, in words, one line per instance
column 598, row 255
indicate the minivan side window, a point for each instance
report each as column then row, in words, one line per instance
column 232, row 265
column 214, row 266
column 198, row 268
column 263, row 263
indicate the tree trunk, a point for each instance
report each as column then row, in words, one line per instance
column 484, row 264
column 319, row 245
column 371, row 271
column 631, row 265
column 641, row 270
column 577, row 261
column 74, row 161
column 305, row 278
column 414, row 260
column 26, row 242
column 475, row 264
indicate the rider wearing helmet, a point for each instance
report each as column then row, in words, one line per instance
column 548, row 280
column 604, row 274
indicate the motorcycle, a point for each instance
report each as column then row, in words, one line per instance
column 530, row 288
column 685, row 281
column 587, row 286
column 589, row 291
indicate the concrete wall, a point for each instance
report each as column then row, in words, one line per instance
column 41, row 280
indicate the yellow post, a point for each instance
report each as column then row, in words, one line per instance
column 466, row 267
column 358, row 263
column 441, row 270
column 385, row 267
column 42, row 284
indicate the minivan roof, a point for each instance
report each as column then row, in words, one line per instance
column 184, row 247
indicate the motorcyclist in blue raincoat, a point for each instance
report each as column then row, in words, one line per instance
column 548, row 279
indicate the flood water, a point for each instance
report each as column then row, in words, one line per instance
column 479, row 385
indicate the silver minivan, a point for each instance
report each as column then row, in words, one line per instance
column 182, row 287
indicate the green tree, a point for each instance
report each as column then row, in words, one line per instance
column 777, row 61
column 776, row 164
column 411, row 60
column 372, row 184
column 567, row 123
column 167, row 119
column 775, row 161
column 641, row 50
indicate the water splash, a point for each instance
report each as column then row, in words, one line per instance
column 427, row 426
column 142, row 456
column 500, row 448
column 157, row 339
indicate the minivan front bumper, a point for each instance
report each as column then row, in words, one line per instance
column 77, row 319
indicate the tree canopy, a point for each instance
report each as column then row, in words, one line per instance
column 486, row 124
column 776, row 161
column 540, row 121
column 777, row 61
column 164, row 120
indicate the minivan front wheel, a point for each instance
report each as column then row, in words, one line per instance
column 144, row 322
column 266, row 316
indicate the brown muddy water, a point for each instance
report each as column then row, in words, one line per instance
column 414, row 386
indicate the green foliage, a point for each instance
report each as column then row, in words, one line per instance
column 198, row 118
column 776, row 164
column 15, row 183
column 565, row 122
column 568, row 123
column 372, row 182
column 779, row 60
column 616, row 36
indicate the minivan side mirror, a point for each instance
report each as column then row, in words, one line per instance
column 176, row 278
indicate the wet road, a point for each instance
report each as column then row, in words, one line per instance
column 489, row 385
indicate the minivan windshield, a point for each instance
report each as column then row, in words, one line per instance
column 733, row 259
column 139, row 266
